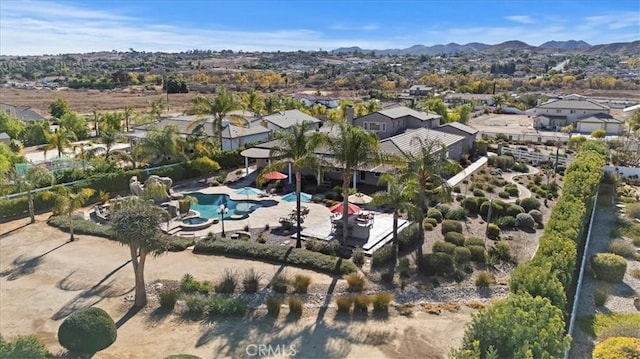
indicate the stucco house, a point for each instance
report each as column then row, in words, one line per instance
column 612, row 126
column 469, row 133
column 420, row 90
column 567, row 110
column 312, row 100
column 478, row 99
column 396, row 120
column 283, row 120
column 23, row 113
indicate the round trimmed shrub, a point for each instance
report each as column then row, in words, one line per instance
column 458, row 214
column 428, row 227
column 443, row 208
column 504, row 195
column 478, row 192
column 451, row 226
column 471, row 205
column 435, row 214
column 609, row 267
column 432, row 221
column 477, row 253
column 507, row 222
column 514, row 210
column 525, row 221
column 461, row 255
column 617, row 348
column 512, row 190
column 497, row 208
column 454, row 238
column 443, row 247
column 87, row 330
column 474, row 241
column 493, row 231
column 529, row 204
column 442, row 263
column 537, row 215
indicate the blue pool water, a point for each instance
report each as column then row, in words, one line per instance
column 208, row 205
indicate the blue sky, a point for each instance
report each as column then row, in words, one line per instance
column 54, row 27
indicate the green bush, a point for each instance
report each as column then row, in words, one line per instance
column 356, row 282
column 477, row 253
column 295, row 306
column 273, row 305
column 493, row 231
column 484, row 279
column 478, row 192
column 537, row 215
column 189, row 285
column 435, row 214
column 504, row 194
column 502, row 250
column 301, row 283
column 622, row 248
column 525, row 221
column 457, row 214
column 358, row 257
column 512, row 190
column 428, row 227
column 24, row 346
column 609, row 267
column 228, row 283
column 381, row 302
column 451, row 226
column 538, row 281
column 87, row 330
column 432, row 221
column 633, row 210
column 506, row 222
column 403, row 267
column 408, row 237
column 617, row 348
column 514, row 210
column 382, row 256
column 361, row 304
column 325, row 247
column 455, row 238
column 344, row 303
column 196, row 304
column 461, row 255
column 471, row 205
column 474, row 241
column 280, row 283
column 444, row 247
column 168, row 298
column 520, row 167
column 251, row 281
column 530, row 204
column 218, row 306
column 600, row 297
column 442, row 263
column 276, row 254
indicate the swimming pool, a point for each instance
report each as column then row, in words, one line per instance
column 208, row 205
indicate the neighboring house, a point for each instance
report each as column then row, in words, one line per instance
column 4, row 138
column 469, row 133
column 24, row 113
column 395, row 120
column 420, row 90
column 564, row 111
column 283, row 120
column 312, row 100
column 234, row 137
column 612, row 126
column 479, row 99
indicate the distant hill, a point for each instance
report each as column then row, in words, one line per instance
column 565, row 45
column 573, row 46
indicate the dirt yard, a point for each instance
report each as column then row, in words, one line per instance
column 44, row 279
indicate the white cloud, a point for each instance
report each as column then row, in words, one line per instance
column 522, row 19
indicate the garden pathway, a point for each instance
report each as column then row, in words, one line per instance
column 524, row 191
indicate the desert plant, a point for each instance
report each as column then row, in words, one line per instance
column 484, row 279
column 251, row 280
column 506, row 222
column 301, row 283
column 529, row 204
column 493, row 231
column 195, row 303
column 617, row 348
column 512, row 190
column 228, row 283
column 344, row 303
column 189, row 285
column 382, row 256
column 504, row 194
column 633, row 210
column 451, row 226
column 622, row 248
column 295, row 306
column 600, row 296
column 477, row 253
column 609, row 267
column 24, row 346
column 273, row 305
column 478, row 192
column 280, row 283
column 381, row 302
column 525, row 221
column 218, row 306
column 358, row 257
column 537, row 215
column 503, row 250
column 635, row 273
column 461, row 255
column 361, row 304
column 474, row 241
column 432, row 221
column 444, row 247
column 403, row 267
column 442, row 263
column 428, row 227
column 458, row 214
column 513, row 210
column 356, row 282
column 455, row 238
column 87, row 330
column 168, row 298
column 435, row 214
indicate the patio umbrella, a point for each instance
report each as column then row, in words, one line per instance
column 359, row 198
column 275, row 175
column 248, row 190
column 291, row 197
column 351, row 208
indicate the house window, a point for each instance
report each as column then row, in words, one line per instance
column 573, row 111
column 363, row 175
column 558, row 111
column 375, row 126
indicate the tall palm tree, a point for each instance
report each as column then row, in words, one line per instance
column 129, row 113
column 34, row 177
column 253, row 102
column 296, row 147
column 109, row 136
column 400, row 196
column 66, row 202
column 165, row 143
column 352, row 148
column 58, row 140
column 219, row 107
column 272, row 104
column 424, row 168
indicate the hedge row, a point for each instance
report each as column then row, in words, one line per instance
column 550, row 273
column 278, row 254
column 90, row 228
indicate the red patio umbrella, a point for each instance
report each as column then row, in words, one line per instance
column 351, row 208
column 275, row 175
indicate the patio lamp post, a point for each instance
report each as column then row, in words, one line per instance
column 222, row 210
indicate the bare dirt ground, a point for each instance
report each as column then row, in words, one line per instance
column 44, row 278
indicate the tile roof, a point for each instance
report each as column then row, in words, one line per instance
column 405, row 143
column 24, row 113
column 231, row 131
column 289, row 118
column 461, row 127
column 573, row 104
column 600, row 119
column 185, row 127
column 402, row 111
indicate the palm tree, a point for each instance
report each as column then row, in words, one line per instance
column 424, row 168
column 401, row 197
column 296, row 147
column 219, row 107
column 352, row 148
column 129, row 112
column 165, row 143
column 136, row 224
column 253, row 102
column 33, row 178
column 59, row 140
column 109, row 136
column 66, row 202
column 272, row 104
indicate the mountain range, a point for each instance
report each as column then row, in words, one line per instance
column 571, row 46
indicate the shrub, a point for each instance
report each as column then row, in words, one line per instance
column 456, row 189
column 195, row 304
column 358, row 257
column 455, row 238
column 484, row 279
column 361, row 304
column 525, row 221
column 295, row 306
column 451, row 226
column 514, row 210
column 301, row 284
column 617, row 348
column 600, row 297
column 474, row 241
column 490, row 188
column 471, row 205
column 512, row 190
column 477, row 253
column 520, row 167
column 382, row 256
column 228, row 283
column 444, row 209
column 457, row 214
column 609, row 267
column 218, row 306
column 442, row 263
column 356, row 282
column 189, row 285
column 622, row 248
column 538, row 281
column 507, row 222
column 504, row 194
column 461, row 255
column 428, row 227
column 403, row 267
column 635, row 273
column 435, row 214
column 251, row 280
column 24, row 346
column 273, row 305
column 297, row 257
column 408, row 237
column 87, row 330
column 444, row 247
column 633, row 210
column 493, row 231
column 168, row 298
column 381, row 302
column 280, row 283
column 344, row 303
column 503, row 250
column 325, row 247
column 530, row 204
column 432, row 221
column 536, row 215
